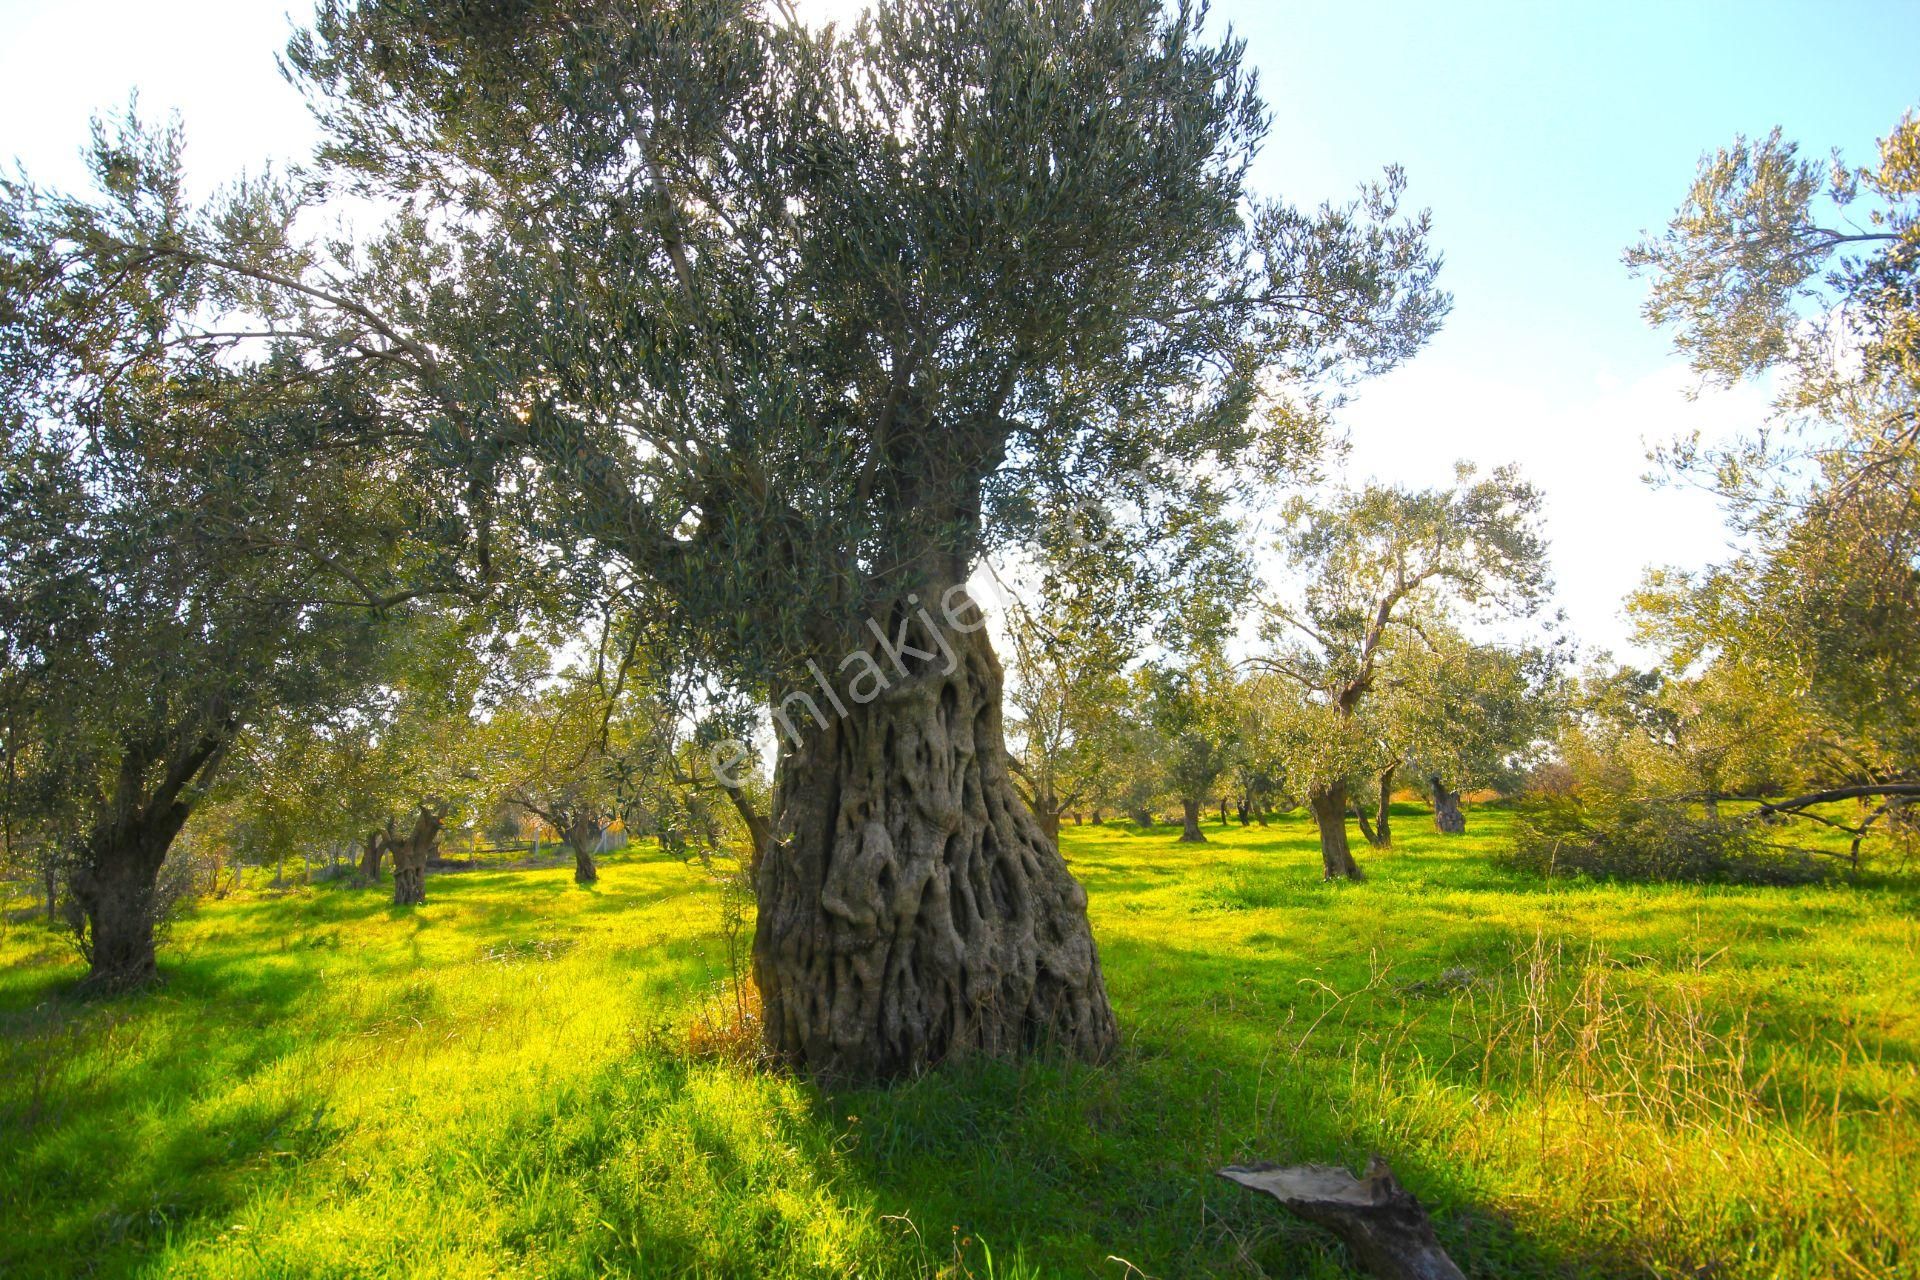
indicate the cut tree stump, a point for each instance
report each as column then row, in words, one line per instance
column 1380, row 1220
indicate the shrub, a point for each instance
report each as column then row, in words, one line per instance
column 1611, row 837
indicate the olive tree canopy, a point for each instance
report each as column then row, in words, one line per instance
column 777, row 330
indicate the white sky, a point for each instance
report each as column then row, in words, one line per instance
column 1545, row 363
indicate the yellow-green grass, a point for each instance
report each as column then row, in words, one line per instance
column 1578, row 1079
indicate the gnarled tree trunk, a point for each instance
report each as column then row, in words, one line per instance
column 911, row 907
column 370, row 859
column 410, row 859
column 582, row 836
column 1190, row 832
column 1448, row 819
column 1329, row 806
column 115, row 886
column 115, row 892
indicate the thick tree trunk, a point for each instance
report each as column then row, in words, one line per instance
column 1095, row 815
column 1144, row 817
column 114, row 890
column 911, row 908
column 582, row 835
column 370, row 860
column 1448, row 819
column 115, row 886
column 410, row 859
column 1190, row 832
column 1329, row 806
column 1241, row 809
column 1383, row 825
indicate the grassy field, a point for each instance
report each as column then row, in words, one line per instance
column 1577, row 1079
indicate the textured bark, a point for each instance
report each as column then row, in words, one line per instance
column 1383, row 825
column 370, row 859
column 410, row 859
column 583, row 835
column 1329, row 806
column 1190, row 832
column 114, row 887
column 911, row 908
column 1448, row 819
column 1382, row 1223
column 114, row 890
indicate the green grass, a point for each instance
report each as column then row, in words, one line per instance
column 1578, row 1079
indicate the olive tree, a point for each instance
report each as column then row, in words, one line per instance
column 1190, row 706
column 1102, row 592
column 1805, row 269
column 1485, row 713
column 784, row 328
column 1378, row 569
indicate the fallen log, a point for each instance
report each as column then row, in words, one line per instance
column 1381, row 1222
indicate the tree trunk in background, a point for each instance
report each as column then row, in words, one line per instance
column 1223, row 811
column 1366, row 826
column 1049, row 820
column 759, row 828
column 410, row 859
column 370, row 860
column 1383, row 825
column 1241, row 810
column 1143, row 816
column 911, row 908
column 1448, row 819
column 581, row 835
column 1329, row 806
column 1095, row 815
column 53, row 891
column 1190, row 832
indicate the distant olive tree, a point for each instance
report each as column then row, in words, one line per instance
column 1379, row 568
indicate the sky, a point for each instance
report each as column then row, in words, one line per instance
column 1544, row 138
